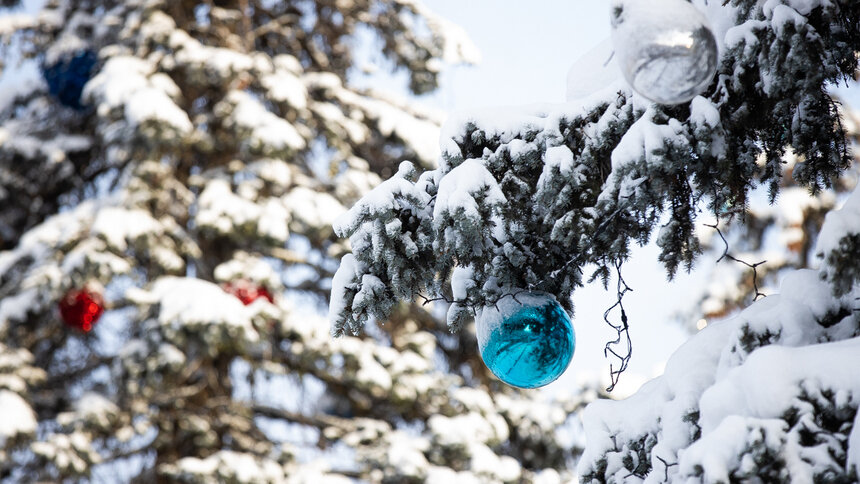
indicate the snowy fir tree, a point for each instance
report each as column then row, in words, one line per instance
column 772, row 239
column 169, row 175
column 546, row 199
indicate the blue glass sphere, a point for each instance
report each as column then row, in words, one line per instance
column 526, row 344
column 67, row 76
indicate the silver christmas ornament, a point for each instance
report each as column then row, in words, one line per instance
column 665, row 48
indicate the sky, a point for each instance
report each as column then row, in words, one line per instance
column 527, row 49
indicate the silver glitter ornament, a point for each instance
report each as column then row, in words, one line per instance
column 665, row 48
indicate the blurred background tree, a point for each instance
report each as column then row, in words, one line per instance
column 178, row 166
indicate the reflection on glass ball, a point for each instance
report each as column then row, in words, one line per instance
column 665, row 48
column 527, row 342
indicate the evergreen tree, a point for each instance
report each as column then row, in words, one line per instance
column 178, row 167
column 530, row 200
column 776, row 238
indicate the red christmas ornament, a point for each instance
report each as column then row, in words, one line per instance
column 82, row 308
column 247, row 291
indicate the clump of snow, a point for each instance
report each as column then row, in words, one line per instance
column 247, row 266
column 729, row 390
column 220, row 61
column 18, row 418
column 11, row 23
column 274, row 171
column 94, row 410
column 388, row 197
column 312, row 210
column 838, row 224
column 316, row 472
column 839, row 243
column 129, row 85
column 262, row 131
column 227, row 213
column 72, row 453
column 118, row 225
column 460, row 188
column 418, row 129
column 463, row 429
column 226, row 466
column 193, row 308
column 646, row 139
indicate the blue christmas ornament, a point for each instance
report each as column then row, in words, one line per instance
column 527, row 341
column 67, row 76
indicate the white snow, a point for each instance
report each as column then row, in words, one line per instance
column 202, row 305
column 739, row 393
column 265, row 130
column 229, row 466
column 388, row 196
column 461, row 281
column 314, row 209
column 18, row 418
column 247, row 266
column 838, row 224
column 418, row 128
column 129, row 85
column 343, row 277
column 226, row 213
column 704, row 113
column 274, row 171
column 464, row 429
column 854, row 446
column 767, row 383
column 118, row 225
column 11, row 23
column 284, row 86
column 221, row 63
column 96, row 410
column 459, row 188
column 152, row 104
column 644, row 139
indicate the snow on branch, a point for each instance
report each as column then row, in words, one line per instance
column 542, row 192
column 839, row 245
column 756, row 396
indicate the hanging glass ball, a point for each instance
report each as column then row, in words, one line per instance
column 526, row 340
column 247, row 291
column 665, row 48
column 67, row 76
column 82, row 308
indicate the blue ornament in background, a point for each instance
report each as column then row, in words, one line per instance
column 67, row 76
column 527, row 341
